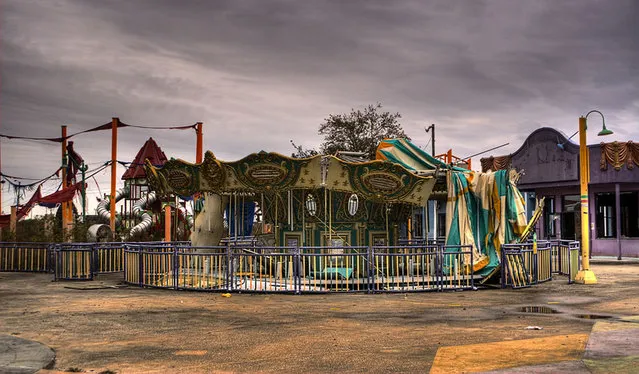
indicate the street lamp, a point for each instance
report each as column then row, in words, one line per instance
column 585, row 275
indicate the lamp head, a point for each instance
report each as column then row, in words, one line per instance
column 605, row 131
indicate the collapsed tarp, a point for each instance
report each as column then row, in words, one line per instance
column 407, row 154
column 410, row 156
column 484, row 210
column 61, row 196
column 5, row 219
column 48, row 201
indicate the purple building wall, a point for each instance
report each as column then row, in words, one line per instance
column 550, row 165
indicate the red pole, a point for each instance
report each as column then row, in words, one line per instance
column 1, row 211
column 114, row 155
column 198, row 143
column 167, row 223
column 65, row 205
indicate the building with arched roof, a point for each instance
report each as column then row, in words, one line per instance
column 549, row 164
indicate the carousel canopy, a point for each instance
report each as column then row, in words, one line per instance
column 264, row 172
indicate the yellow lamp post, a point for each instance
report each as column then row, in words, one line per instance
column 585, row 275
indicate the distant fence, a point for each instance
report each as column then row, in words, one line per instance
column 245, row 267
column 67, row 261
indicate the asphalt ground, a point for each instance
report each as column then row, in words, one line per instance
column 101, row 326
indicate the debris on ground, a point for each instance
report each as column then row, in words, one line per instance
column 534, row 328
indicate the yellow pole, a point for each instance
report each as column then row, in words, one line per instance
column 585, row 275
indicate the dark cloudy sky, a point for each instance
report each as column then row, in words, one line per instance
column 260, row 73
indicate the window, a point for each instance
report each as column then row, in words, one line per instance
column 418, row 224
column 605, row 205
column 549, row 217
column 531, row 204
column 629, row 212
column 441, row 225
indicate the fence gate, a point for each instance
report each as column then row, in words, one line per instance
column 74, row 261
column 514, row 271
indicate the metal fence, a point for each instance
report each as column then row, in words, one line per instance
column 300, row 270
column 109, row 257
column 26, row 257
column 524, row 265
column 74, row 261
column 565, row 258
column 245, row 267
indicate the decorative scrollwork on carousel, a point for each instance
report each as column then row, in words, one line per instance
column 268, row 171
column 176, row 176
column 156, row 181
column 381, row 181
column 212, row 171
column 351, row 207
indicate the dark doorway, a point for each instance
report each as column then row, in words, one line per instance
column 571, row 218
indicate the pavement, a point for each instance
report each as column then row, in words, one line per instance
column 21, row 356
column 102, row 326
column 611, row 347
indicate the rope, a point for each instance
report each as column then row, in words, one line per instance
column 106, row 126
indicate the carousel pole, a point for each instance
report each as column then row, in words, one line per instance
column 114, row 154
column 198, row 160
column 330, row 217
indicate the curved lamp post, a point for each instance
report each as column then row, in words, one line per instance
column 585, row 275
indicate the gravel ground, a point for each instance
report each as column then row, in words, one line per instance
column 99, row 325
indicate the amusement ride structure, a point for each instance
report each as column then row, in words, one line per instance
column 308, row 220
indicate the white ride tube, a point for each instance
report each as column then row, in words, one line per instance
column 138, row 207
column 103, row 205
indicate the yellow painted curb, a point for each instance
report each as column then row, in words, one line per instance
column 507, row 354
column 613, row 326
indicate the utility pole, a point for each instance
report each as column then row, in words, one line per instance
column 83, row 169
column 432, row 137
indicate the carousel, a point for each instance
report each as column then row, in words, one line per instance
column 338, row 223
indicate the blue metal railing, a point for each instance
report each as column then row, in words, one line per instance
column 245, row 267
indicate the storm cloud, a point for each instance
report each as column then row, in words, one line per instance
column 260, row 73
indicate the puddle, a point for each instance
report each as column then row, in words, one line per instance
column 538, row 309
column 592, row 316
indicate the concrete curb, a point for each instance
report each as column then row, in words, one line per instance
column 20, row 356
column 614, row 261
